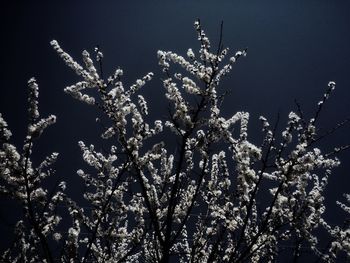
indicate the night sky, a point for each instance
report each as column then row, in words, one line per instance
column 294, row 49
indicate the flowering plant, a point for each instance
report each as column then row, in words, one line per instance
column 201, row 202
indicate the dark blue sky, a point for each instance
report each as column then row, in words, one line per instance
column 294, row 49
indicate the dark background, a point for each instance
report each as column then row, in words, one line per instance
column 294, row 49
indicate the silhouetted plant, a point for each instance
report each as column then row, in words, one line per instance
column 195, row 202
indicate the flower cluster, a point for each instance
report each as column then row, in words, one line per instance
column 23, row 182
column 340, row 234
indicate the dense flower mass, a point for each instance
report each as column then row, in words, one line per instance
column 152, row 201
